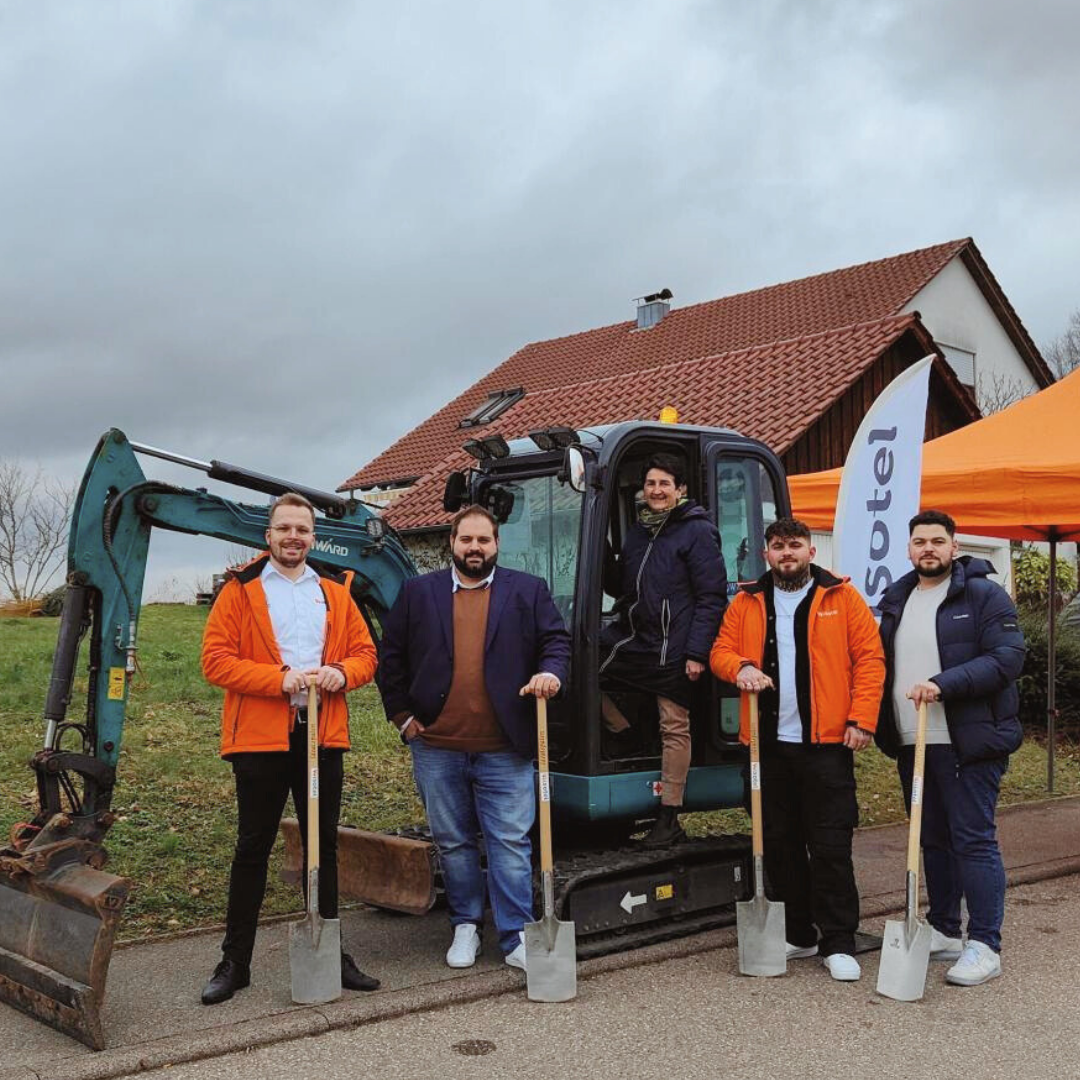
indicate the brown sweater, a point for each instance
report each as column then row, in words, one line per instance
column 467, row 721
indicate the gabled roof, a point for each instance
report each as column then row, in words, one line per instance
column 749, row 390
column 849, row 297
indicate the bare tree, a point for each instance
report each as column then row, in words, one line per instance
column 238, row 554
column 35, row 514
column 1063, row 353
column 997, row 391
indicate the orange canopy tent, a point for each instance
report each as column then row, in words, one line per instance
column 1015, row 474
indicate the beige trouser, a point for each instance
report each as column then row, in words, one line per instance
column 674, row 741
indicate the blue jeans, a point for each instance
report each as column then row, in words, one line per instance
column 492, row 793
column 959, row 841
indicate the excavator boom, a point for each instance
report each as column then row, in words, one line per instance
column 59, row 907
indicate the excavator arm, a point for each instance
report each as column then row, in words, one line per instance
column 58, row 907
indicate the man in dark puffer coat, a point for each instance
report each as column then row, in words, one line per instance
column 952, row 640
column 672, row 590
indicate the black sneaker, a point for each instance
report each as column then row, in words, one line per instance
column 352, row 978
column 229, row 976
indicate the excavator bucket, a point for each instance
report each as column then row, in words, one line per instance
column 58, row 917
column 392, row 872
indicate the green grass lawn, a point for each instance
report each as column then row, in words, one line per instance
column 174, row 796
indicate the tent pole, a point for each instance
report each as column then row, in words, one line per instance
column 1051, row 670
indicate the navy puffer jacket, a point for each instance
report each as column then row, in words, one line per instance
column 672, row 589
column 982, row 651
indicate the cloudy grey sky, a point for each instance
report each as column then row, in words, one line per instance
column 283, row 233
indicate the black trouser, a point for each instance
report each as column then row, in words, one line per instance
column 809, row 813
column 263, row 783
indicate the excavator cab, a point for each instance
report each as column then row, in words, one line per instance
column 565, row 532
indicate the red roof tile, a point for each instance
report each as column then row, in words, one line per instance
column 749, row 390
column 795, row 309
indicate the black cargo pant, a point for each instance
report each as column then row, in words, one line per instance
column 263, row 783
column 809, row 814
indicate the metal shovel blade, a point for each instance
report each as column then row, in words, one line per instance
column 905, row 956
column 551, row 960
column 315, row 959
column 762, row 937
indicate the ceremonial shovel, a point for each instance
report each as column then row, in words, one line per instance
column 760, row 922
column 314, row 942
column 550, row 945
column 905, row 948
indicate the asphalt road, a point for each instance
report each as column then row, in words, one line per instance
column 694, row 1016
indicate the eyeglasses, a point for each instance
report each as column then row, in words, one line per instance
column 285, row 530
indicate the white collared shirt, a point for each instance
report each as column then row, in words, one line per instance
column 298, row 616
column 459, row 584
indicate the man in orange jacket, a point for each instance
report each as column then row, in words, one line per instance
column 278, row 627
column 805, row 641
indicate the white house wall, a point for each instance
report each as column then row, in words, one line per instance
column 956, row 313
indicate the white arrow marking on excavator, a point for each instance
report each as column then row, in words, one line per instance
column 628, row 902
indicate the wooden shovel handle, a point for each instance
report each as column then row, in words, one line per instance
column 917, row 774
column 313, row 798
column 755, row 779
column 547, row 862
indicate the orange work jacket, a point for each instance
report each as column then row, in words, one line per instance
column 240, row 653
column 847, row 663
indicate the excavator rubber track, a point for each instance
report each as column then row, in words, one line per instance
column 618, row 899
column 626, row 897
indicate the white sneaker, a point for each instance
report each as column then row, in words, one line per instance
column 943, row 947
column 842, row 967
column 516, row 958
column 978, row 963
column 465, row 946
column 800, row 952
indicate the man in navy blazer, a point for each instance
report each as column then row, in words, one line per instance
column 464, row 652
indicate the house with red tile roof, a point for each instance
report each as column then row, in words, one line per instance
column 795, row 365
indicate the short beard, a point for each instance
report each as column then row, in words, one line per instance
column 929, row 575
column 467, row 571
column 791, row 584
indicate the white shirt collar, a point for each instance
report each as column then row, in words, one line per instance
column 459, row 584
column 270, row 570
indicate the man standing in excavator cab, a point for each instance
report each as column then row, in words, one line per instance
column 672, row 590
column 465, row 652
column 278, row 627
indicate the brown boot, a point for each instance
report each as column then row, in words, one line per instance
column 667, row 829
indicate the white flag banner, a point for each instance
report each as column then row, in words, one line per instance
column 879, row 487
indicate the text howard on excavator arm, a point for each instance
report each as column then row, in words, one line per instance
column 58, row 907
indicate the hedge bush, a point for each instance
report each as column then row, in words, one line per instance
column 1033, row 681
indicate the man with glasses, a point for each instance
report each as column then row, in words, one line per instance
column 277, row 628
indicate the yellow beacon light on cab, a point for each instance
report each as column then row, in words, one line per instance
column 669, row 415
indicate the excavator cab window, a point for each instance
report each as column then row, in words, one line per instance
column 743, row 500
column 540, row 533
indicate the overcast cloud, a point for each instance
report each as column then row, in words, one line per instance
column 282, row 234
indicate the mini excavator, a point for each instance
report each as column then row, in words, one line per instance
column 563, row 498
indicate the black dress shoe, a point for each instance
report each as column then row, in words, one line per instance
column 352, row 978
column 228, row 977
